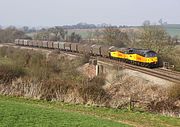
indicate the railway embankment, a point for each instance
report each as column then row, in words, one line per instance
column 56, row 77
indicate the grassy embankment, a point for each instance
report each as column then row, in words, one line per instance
column 25, row 112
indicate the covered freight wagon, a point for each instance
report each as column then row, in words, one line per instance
column 96, row 50
column 105, row 50
column 74, row 47
column 31, row 43
column 50, row 44
column 45, row 44
column 84, row 48
column 81, row 48
column 35, row 43
column 16, row 41
column 26, row 42
column 88, row 49
column 39, row 43
column 62, row 45
column 21, row 42
column 67, row 46
column 56, row 45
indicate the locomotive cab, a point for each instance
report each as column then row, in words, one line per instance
column 151, row 58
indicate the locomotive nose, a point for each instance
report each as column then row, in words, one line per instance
column 152, row 60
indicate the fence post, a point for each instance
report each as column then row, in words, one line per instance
column 130, row 104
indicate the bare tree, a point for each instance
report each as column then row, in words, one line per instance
column 75, row 37
column 98, row 35
column 133, row 36
column 156, row 38
column 114, row 36
column 9, row 34
column 53, row 34
column 90, row 36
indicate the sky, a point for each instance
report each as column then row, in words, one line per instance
column 68, row 12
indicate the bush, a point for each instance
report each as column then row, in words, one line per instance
column 93, row 90
column 50, row 88
column 85, row 58
column 174, row 91
column 166, row 106
column 9, row 72
column 3, row 51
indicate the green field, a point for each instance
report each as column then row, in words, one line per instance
column 17, row 112
column 85, row 32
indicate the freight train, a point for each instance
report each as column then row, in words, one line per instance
column 140, row 57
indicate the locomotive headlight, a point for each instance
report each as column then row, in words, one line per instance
column 155, row 59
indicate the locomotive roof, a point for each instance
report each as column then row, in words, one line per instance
column 145, row 50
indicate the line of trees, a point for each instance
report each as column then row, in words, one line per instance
column 9, row 34
column 57, row 34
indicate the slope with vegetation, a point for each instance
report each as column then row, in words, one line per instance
column 55, row 77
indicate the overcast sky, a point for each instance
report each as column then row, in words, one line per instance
column 61, row 12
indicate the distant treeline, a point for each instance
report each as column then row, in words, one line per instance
column 91, row 26
column 28, row 29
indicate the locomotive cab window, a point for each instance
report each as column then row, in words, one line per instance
column 151, row 54
column 131, row 51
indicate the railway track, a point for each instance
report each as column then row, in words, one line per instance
column 172, row 76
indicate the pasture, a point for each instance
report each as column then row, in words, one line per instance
column 26, row 112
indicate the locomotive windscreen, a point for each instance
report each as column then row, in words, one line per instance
column 151, row 54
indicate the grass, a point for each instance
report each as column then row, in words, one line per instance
column 18, row 112
column 5, row 61
column 25, row 112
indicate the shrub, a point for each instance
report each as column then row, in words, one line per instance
column 9, row 72
column 93, row 90
column 3, row 51
column 85, row 58
column 166, row 106
column 174, row 91
column 50, row 88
